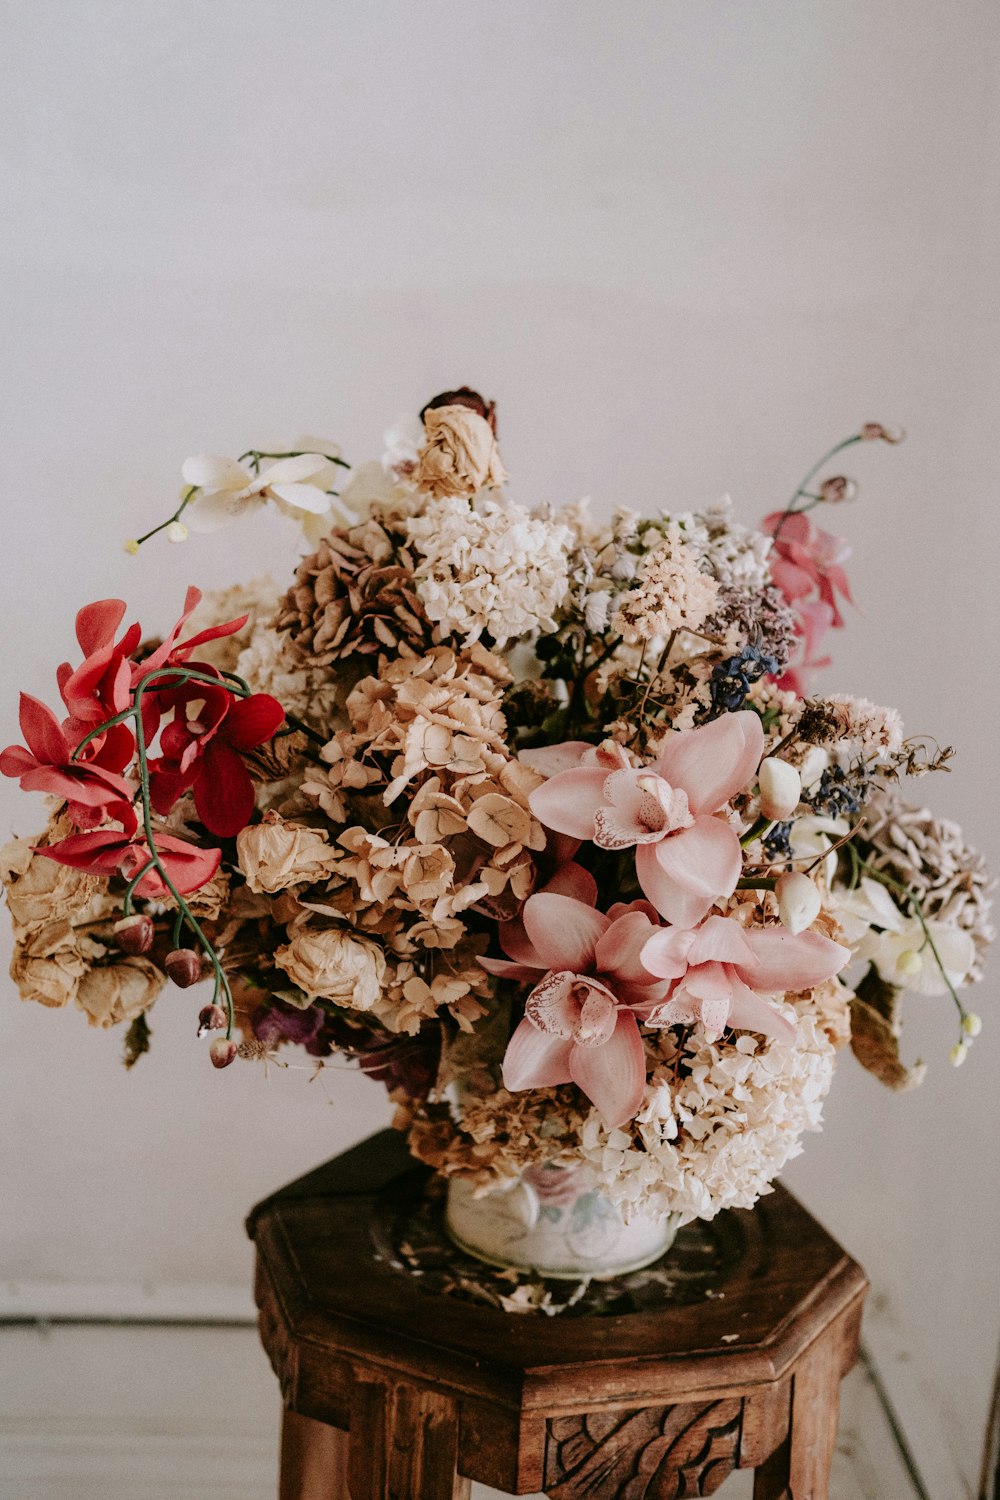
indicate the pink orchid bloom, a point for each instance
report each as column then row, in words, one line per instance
column 686, row 859
column 579, row 1026
column 805, row 557
column 109, row 851
column 45, row 764
column 722, row 972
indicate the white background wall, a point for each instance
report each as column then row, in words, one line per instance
column 685, row 245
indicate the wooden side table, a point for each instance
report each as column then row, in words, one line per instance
column 394, row 1391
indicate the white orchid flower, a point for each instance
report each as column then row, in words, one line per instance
column 897, row 944
column 228, row 490
column 813, row 835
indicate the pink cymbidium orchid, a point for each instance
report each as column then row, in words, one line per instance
column 686, row 858
column 579, row 1026
column 722, row 973
column 804, row 557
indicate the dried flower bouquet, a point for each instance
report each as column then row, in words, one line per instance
column 534, row 815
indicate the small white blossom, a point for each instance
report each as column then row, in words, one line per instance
column 228, row 490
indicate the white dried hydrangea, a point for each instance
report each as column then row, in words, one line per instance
column 735, row 555
column 270, row 664
column 715, row 1135
column 494, row 570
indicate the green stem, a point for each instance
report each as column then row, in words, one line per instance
column 186, row 499
column 791, row 508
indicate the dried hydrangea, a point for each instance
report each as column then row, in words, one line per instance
column 759, row 619
column 493, row 1137
column 930, row 857
column 494, row 570
column 671, row 593
column 269, row 663
column 721, row 1119
column 736, row 556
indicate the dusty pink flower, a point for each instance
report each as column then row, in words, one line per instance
column 722, row 973
column 579, row 1026
column 686, row 859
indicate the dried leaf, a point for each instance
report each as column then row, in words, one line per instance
column 875, row 1029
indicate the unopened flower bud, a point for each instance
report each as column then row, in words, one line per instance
column 972, row 1024
column 873, row 432
column 183, row 966
column 222, row 1051
column 134, row 934
column 798, row 900
column 780, row 789
column 177, row 532
column 211, row 1018
column 838, row 489
column 958, row 1054
column 131, row 546
column 909, row 963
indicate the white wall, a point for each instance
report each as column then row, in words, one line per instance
column 684, row 245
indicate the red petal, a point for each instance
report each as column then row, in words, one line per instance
column 213, row 633
column 43, row 732
column 188, row 866
column 223, row 793
column 253, row 720
column 15, row 761
column 88, row 851
column 96, row 624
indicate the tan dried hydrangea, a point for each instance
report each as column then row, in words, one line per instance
column 672, row 593
column 498, row 1134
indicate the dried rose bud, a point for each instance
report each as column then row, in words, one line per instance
column 222, row 1051
column 211, row 1018
column 183, row 966
column 465, row 396
column 838, row 489
column 872, row 432
column 134, row 934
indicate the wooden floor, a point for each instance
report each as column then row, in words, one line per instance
column 92, row 1412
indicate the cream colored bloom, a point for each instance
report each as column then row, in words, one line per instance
column 125, row 989
column 228, row 490
column 275, row 855
column 330, row 964
column 459, row 456
column 672, row 593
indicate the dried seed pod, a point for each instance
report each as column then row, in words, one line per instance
column 211, row 1018
column 134, row 934
column 222, row 1051
column 183, row 966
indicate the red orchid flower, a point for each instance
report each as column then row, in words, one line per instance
column 45, row 764
column 201, row 750
column 109, row 851
column 805, row 557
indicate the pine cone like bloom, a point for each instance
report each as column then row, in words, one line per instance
column 345, row 600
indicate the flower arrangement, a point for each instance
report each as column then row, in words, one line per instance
column 537, row 817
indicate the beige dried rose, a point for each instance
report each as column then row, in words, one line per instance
column 330, row 964
column 460, row 455
column 120, row 992
column 275, row 855
column 39, row 889
column 48, row 964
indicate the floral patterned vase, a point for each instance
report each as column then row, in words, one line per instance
column 553, row 1220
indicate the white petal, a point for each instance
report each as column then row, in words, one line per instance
column 290, row 470
column 211, row 512
column 302, row 497
column 210, row 471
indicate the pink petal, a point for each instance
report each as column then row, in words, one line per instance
column 613, row 1076
column 715, row 761
column 550, row 760
column 534, row 1060
column 619, row 952
column 96, row 624
column 573, row 880
column 43, row 732
column 251, row 721
column 569, row 801
column 517, row 945
column 565, row 933
column 666, row 952
column 684, row 875
column 750, row 1012
column 787, row 961
column 720, row 940
column 504, row 969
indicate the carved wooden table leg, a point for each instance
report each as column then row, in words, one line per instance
column 800, row 1468
column 313, row 1460
column 403, row 1444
